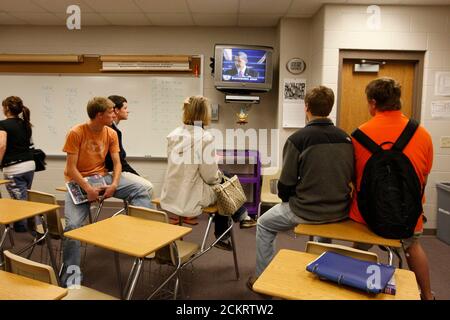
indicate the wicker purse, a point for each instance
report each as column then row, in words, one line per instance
column 230, row 196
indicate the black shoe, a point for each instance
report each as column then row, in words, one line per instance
column 250, row 223
column 20, row 228
column 224, row 245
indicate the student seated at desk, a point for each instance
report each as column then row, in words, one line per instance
column 192, row 170
column 86, row 147
column 121, row 113
column 387, row 123
column 16, row 157
column 315, row 179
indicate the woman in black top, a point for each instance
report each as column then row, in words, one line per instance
column 16, row 157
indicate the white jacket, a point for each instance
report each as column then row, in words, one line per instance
column 191, row 170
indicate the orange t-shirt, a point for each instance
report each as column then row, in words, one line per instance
column 92, row 148
column 387, row 126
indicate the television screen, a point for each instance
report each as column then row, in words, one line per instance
column 244, row 65
column 243, row 68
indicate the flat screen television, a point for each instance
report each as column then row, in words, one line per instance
column 242, row 68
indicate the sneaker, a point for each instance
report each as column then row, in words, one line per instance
column 247, row 223
column 224, row 245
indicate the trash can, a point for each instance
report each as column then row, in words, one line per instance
column 443, row 211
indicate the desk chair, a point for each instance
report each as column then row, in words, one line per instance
column 211, row 211
column 41, row 272
column 349, row 230
column 55, row 223
column 167, row 255
column 269, row 195
column 318, row 248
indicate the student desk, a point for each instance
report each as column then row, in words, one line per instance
column 15, row 210
column 348, row 230
column 131, row 236
column 15, row 287
column 286, row 277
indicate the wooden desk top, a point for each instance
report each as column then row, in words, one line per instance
column 14, row 210
column 4, row 181
column 129, row 235
column 63, row 189
column 286, row 277
column 15, row 287
column 347, row 230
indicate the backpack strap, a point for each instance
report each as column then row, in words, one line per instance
column 365, row 141
column 406, row 135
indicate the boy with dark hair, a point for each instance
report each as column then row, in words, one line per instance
column 387, row 124
column 315, row 179
column 121, row 113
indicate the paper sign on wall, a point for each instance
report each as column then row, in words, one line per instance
column 440, row 109
column 442, row 84
column 294, row 103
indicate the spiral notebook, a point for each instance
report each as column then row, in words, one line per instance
column 77, row 193
column 364, row 275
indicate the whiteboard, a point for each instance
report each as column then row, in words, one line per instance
column 58, row 102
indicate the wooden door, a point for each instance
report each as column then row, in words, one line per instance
column 353, row 109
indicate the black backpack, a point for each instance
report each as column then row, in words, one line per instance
column 390, row 196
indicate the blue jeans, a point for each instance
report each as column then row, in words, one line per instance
column 278, row 218
column 17, row 189
column 75, row 215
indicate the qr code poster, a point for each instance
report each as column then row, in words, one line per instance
column 294, row 90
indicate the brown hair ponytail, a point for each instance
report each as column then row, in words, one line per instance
column 14, row 105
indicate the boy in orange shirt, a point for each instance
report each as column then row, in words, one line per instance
column 86, row 147
column 388, row 122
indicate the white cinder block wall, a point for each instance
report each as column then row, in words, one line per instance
column 402, row 28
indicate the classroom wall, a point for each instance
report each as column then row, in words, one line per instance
column 147, row 40
column 295, row 42
column 402, row 28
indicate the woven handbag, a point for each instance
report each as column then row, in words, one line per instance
column 230, row 196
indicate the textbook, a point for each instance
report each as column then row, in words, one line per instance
column 364, row 275
column 77, row 193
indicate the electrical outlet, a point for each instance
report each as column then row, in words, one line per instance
column 445, row 142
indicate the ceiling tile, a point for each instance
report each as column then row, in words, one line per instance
column 89, row 19
column 127, row 19
column 213, row 6
column 8, row 19
column 264, row 6
column 303, row 8
column 372, row 2
column 429, row 2
column 163, row 6
column 252, row 20
column 113, row 6
column 42, row 19
column 218, row 20
column 20, row 6
column 170, row 19
column 60, row 6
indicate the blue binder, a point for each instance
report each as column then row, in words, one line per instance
column 364, row 275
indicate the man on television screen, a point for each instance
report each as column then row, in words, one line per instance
column 240, row 69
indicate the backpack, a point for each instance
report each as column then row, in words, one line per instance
column 390, row 196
